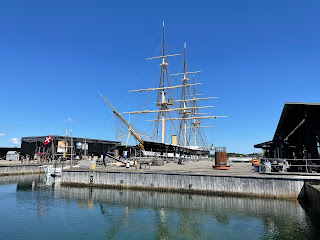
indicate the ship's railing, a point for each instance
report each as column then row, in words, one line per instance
column 297, row 165
column 167, row 158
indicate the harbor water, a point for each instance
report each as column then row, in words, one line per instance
column 37, row 207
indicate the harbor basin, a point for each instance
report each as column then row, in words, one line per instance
column 38, row 207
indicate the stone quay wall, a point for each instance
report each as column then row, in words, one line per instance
column 204, row 184
column 6, row 170
column 313, row 195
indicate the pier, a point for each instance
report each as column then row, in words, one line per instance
column 313, row 195
column 16, row 168
column 194, row 177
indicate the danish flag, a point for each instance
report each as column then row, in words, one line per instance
column 47, row 140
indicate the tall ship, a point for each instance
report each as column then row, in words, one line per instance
column 177, row 124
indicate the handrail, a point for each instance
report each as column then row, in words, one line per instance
column 293, row 160
column 305, row 159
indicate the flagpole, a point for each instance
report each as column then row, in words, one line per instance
column 85, row 147
column 71, row 149
column 65, row 145
column 52, row 146
column 66, row 150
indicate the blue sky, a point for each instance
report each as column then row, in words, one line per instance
column 57, row 57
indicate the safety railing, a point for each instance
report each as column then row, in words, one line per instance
column 295, row 165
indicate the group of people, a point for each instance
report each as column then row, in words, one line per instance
column 35, row 159
column 274, row 165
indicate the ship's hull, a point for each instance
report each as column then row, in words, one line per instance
column 170, row 150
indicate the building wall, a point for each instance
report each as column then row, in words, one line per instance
column 96, row 147
column 313, row 195
column 4, row 150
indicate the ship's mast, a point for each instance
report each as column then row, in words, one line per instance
column 194, row 123
column 184, row 101
column 193, row 109
column 186, row 112
column 162, row 102
column 163, row 105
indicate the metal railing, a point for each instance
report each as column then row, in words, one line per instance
column 300, row 165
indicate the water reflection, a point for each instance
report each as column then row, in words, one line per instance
column 190, row 216
column 33, row 183
column 21, row 179
column 118, row 214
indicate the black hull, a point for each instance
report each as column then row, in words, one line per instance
column 168, row 148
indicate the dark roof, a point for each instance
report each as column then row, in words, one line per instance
column 264, row 145
column 293, row 113
column 61, row 138
column 274, row 143
column 4, row 150
column 11, row 148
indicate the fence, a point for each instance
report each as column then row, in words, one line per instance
column 296, row 165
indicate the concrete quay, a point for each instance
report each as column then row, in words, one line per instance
column 16, row 168
column 194, row 177
column 313, row 195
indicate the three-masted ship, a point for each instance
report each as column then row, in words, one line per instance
column 183, row 114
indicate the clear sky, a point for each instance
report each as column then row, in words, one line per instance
column 57, row 57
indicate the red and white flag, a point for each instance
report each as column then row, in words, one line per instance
column 47, row 140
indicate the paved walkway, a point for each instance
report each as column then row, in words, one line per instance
column 196, row 168
column 5, row 162
column 205, row 168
